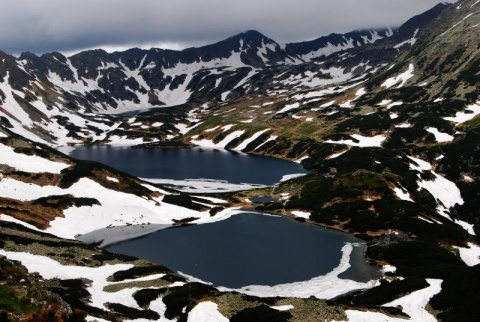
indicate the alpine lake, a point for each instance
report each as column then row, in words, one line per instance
column 246, row 249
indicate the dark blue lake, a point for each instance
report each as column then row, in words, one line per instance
column 190, row 163
column 250, row 249
column 246, row 249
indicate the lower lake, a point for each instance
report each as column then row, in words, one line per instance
column 250, row 249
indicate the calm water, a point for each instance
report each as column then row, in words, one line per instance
column 190, row 163
column 246, row 249
column 249, row 249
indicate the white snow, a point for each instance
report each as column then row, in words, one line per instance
column 393, row 116
column 362, row 91
column 347, row 104
column 400, row 79
column 225, row 94
column 20, row 222
column 389, row 106
column 389, row 269
column 470, row 255
column 271, row 138
column 28, row 163
column 204, row 185
column 412, row 304
column 364, row 141
column 206, row 312
column 205, row 143
column 419, row 165
column 384, row 102
column 136, row 74
column 184, row 129
column 336, row 155
column 410, row 41
column 461, row 117
column 227, row 127
column 443, row 190
column 302, row 158
column 211, row 129
column 112, row 179
column 402, row 194
column 327, row 104
column 322, row 287
column 425, row 219
column 301, row 214
column 292, row 176
column 246, row 142
column 124, row 141
column 328, row 49
column 211, row 199
column 440, row 136
column 116, row 209
column 49, row 268
column 282, row 308
column 289, row 107
column 403, row 125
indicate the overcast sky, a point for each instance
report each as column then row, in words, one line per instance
column 69, row 26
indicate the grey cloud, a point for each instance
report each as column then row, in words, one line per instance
column 59, row 25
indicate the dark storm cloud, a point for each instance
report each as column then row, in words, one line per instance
column 69, row 25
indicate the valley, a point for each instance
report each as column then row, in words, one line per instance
column 373, row 133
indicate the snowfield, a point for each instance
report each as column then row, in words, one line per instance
column 116, row 209
column 401, row 79
column 443, row 190
column 413, row 304
column 28, row 163
column 321, row 287
column 470, row 255
column 49, row 268
column 363, row 141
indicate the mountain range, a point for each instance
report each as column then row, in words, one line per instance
column 386, row 120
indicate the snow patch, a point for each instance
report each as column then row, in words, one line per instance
column 364, row 141
column 462, row 117
column 292, row 176
column 245, row 143
column 205, row 143
column 283, row 308
column 28, row 163
column 440, row 136
column 322, row 287
column 470, row 255
column 402, row 194
column 400, row 79
column 206, row 312
column 289, row 107
column 301, row 214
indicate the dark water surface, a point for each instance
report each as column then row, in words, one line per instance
column 190, row 163
column 249, row 249
column 246, row 249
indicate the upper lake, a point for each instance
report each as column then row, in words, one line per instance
column 190, row 163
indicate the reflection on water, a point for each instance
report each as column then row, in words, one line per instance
column 249, row 249
column 190, row 163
